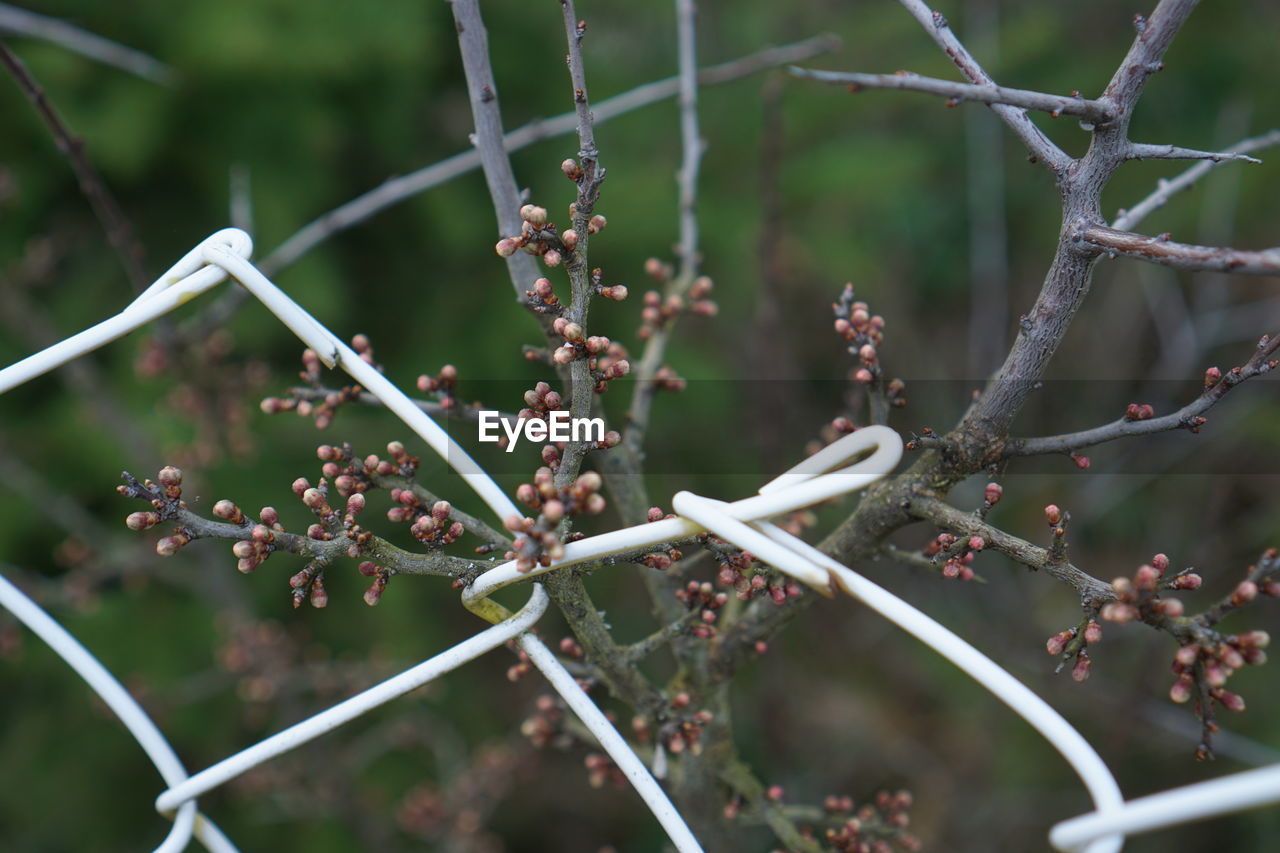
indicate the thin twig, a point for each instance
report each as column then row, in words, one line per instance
column 117, row 227
column 692, row 146
column 1093, row 592
column 1145, row 151
column 1189, row 417
column 1055, row 105
column 1128, row 219
column 1040, row 146
column 21, row 22
column 1182, row 256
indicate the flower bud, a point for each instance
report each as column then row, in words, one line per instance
column 1057, row 644
column 572, row 332
column 506, row 247
column 564, row 354
column 1190, row 580
column 993, row 493
column 1180, row 692
column 170, row 476
column 552, row 258
column 1246, row 592
column 597, row 224
column 569, row 238
column 616, row 292
column 571, row 170
column 1053, row 515
column 1093, row 632
column 1212, row 377
column 142, row 520
column 1080, row 672
column 534, row 215
column 1160, row 562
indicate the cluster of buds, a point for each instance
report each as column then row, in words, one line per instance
column 702, row 598
column 1139, row 412
column 538, row 541
column 1070, row 644
column 666, row 379
column 875, row 827
column 956, row 553
column 1215, row 662
column 348, row 474
column 681, row 731
column 309, row 583
column 542, row 298
column 381, row 577
column 316, row 499
column 605, row 359
column 864, row 332
column 539, row 401
column 540, row 238
column 668, row 554
column 322, row 411
column 735, row 571
column 252, row 552
column 165, row 497
column 443, row 386
column 658, row 311
column 1138, row 598
column 546, row 726
column 430, row 525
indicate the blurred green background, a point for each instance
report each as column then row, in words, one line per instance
column 934, row 214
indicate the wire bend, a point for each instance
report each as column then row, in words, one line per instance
column 744, row 522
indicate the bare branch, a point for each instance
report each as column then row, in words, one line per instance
column 21, row 22
column 1183, row 256
column 473, row 42
column 1040, row 146
column 1128, row 219
column 1093, row 592
column 1143, row 151
column 1145, row 55
column 692, row 146
column 396, row 190
column 114, row 223
column 1055, row 105
column 1189, row 416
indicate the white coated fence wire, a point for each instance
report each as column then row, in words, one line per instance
column 744, row 523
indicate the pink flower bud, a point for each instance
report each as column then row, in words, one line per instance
column 1093, row 633
column 571, row 170
column 1053, row 515
column 1212, row 377
column 1082, row 462
column 506, row 247
column 1190, row 580
column 1160, row 562
column 1172, row 608
column 1180, row 692
column 313, row 498
column 1246, row 592
column 863, row 376
column 1080, row 672
column 596, row 224
column 552, row 258
column 534, row 215
column 569, row 238
column 976, row 543
column 142, row 520
column 1230, row 701
column 170, row 476
column 1057, row 644
column 1253, row 640
column 564, row 354
column 1187, row 655
column 993, row 493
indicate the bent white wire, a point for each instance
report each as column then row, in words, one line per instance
column 129, row 712
column 743, row 522
column 347, row 710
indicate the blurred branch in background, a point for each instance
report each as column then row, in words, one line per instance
column 22, row 22
column 119, row 230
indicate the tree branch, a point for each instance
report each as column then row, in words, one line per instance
column 1055, row 105
column 396, row 190
column 1188, row 417
column 21, row 22
column 1040, row 146
column 1183, row 256
column 1093, row 592
column 1143, row 151
column 1128, row 219
column 115, row 224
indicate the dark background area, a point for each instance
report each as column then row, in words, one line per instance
column 320, row 101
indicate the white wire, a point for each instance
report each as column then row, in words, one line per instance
column 347, row 710
column 126, row 708
column 1234, row 793
column 621, row 753
column 743, row 522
